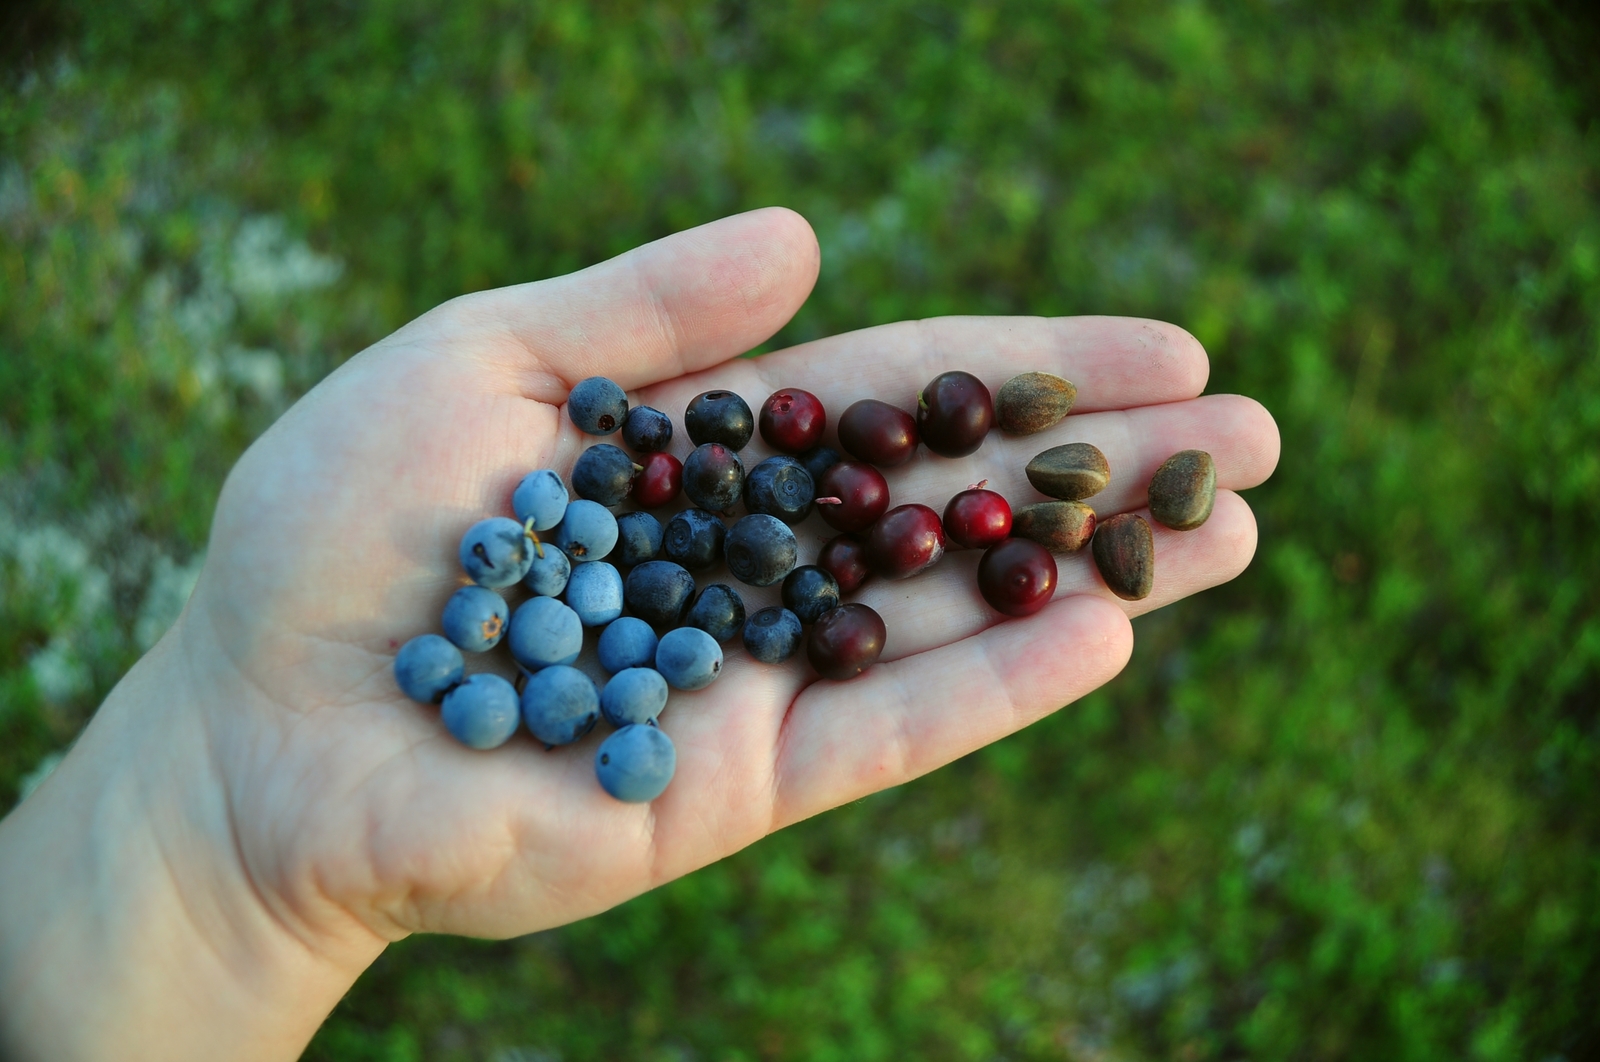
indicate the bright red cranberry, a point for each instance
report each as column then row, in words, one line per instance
column 792, row 420
column 878, row 433
column 954, row 412
column 846, row 557
column 846, row 641
column 659, row 482
column 977, row 518
column 907, row 540
column 852, row 495
column 1017, row 577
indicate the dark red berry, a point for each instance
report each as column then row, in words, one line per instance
column 954, row 412
column 852, row 495
column 1017, row 577
column 659, row 481
column 977, row 518
column 846, row 641
column 792, row 420
column 908, row 539
column 846, row 557
column 878, row 433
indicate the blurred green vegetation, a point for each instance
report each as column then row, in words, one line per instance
column 1345, row 807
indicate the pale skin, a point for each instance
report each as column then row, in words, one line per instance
column 256, row 811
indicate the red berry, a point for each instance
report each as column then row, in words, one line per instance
column 846, row 641
column 907, row 540
column 852, row 495
column 977, row 518
column 792, row 420
column 845, row 556
column 1017, row 577
column 879, row 433
column 659, row 482
column 954, row 412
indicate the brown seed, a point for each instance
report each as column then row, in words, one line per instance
column 1059, row 526
column 1125, row 553
column 1183, row 490
column 1033, row 402
column 1071, row 472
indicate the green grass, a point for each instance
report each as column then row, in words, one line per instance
column 1345, row 807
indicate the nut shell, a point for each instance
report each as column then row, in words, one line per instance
column 1059, row 526
column 1125, row 553
column 1071, row 472
column 1183, row 490
column 1033, row 401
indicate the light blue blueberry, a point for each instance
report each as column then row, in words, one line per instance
column 627, row 642
column 633, row 695
column 547, row 575
column 594, row 592
column 495, row 552
column 475, row 619
column 688, row 658
column 482, row 712
column 636, row 763
column 560, row 705
column 544, row 632
column 541, row 497
column 426, row 667
column 587, row 532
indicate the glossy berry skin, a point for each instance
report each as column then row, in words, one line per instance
column 427, row 667
column 809, row 591
column 594, row 592
column 781, row 487
column 659, row 592
column 818, row 460
column 694, row 539
column 719, row 417
column 588, row 532
column 719, row 611
column 761, row 549
column 647, row 430
column 878, row 433
column 597, row 406
column 544, row 632
column 475, row 619
column 846, row 641
column 659, row 480
column 627, row 642
column 636, row 764
column 688, row 658
column 548, row 571
column 977, row 519
column 495, row 552
column 954, row 412
column 603, row 473
column 560, row 705
column 1017, row 577
column 772, row 635
column 909, row 539
column 713, row 477
column 863, row 496
column 633, row 696
column 541, row 497
column 482, row 712
column 639, row 538
column 845, row 558
column 792, row 420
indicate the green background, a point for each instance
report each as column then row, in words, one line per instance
column 1347, row 806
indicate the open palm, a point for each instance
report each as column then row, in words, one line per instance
column 335, row 541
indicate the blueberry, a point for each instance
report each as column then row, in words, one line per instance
column 475, row 618
column 427, row 667
column 688, row 658
column 560, row 705
column 719, row 417
column 627, row 642
column 647, row 430
column 761, row 549
column 587, row 532
column 658, row 592
column 781, row 487
column 597, row 406
column 547, row 574
column 636, row 764
column 818, row 460
column 639, row 537
column 719, row 611
column 541, row 497
column 713, row 478
column 772, row 635
column 595, row 593
column 694, row 539
column 634, row 695
column 495, row 552
column 603, row 473
column 544, row 631
column 481, row 713
column 809, row 591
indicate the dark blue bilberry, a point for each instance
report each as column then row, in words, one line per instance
column 761, row 549
column 694, row 539
column 773, row 635
column 475, row 619
column 639, row 537
column 718, row 610
column 658, row 592
column 427, row 667
column 809, row 591
column 636, row 763
column 597, row 406
column 647, row 430
column 713, row 477
column 719, row 417
column 482, row 712
column 781, row 487
column 818, row 460
column 603, row 473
